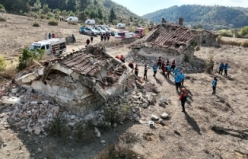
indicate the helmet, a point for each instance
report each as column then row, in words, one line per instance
column 183, row 89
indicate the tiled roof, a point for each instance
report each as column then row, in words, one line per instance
column 170, row 35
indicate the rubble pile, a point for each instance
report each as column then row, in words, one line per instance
column 32, row 111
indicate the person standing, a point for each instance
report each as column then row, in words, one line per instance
column 73, row 38
column 163, row 67
column 87, row 42
column 155, row 69
column 49, row 36
column 159, row 63
column 214, row 84
column 101, row 37
column 182, row 77
column 175, row 71
column 173, row 65
column 225, row 69
column 221, row 68
column 183, row 98
column 91, row 39
column 122, row 58
column 136, row 70
column 177, row 80
column 145, row 71
column 168, row 69
column 53, row 35
column 131, row 65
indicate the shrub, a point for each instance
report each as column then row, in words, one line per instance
column 227, row 33
column 58, row 125
column 43, row 16
column 244, row 44
column 28, row 56
column 2, row 8
column 209, row 65
column 72, row 23
column 36, row 24
column 2, row 63
column 2, row 19
column 53, row 22
column 83, row 132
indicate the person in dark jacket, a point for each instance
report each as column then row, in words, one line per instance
column 131, row 66
column 183, row 98
column 49, row 36
column 225, row 69
column 145, row 71
column 136, row 70
column 159, row 62
column 87, row 41
column 91, row 39
column 73, row 38
column 214, row 84
column 221, row 68
column 173, row 65
column 53, row 35
column 101, row 37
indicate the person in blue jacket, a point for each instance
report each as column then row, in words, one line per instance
column 225, row 69
column 214, row 84
column 178, row 80
column 155, row 69
column 175, row 71
column 182, row 77
column 221, row 68
column 168, row 69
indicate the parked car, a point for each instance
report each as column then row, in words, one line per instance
column 99, row 29
column 89, row 31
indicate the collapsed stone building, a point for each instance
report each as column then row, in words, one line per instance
column 81, row 80
column 173, row 41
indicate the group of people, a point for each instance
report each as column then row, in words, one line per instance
column 50, row 36
column 105, row 37
column 223, row 67
column 89, row 40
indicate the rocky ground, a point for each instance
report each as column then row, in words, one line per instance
column 213, row 126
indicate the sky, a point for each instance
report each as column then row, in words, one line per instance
column 141, row 7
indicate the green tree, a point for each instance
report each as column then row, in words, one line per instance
column 244, row 31
column 100, row 15
column 112, row 15
column 37, row 5
column 82, row 15
column 95, row 2
column 2, row 8
column 83, row 4
column 45, row 9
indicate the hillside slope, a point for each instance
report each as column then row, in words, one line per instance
column 210, row 17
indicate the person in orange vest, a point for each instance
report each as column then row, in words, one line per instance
column 159, row 63
column 136, row 70
column 87, row 41
column 131, row 66
column 122, row 58
column 183, row 98
column 145, row 71
column 173, row 65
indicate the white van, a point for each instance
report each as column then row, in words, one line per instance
column 120, row 25
column 52, row 46
column 90, row 22
column 72, row 19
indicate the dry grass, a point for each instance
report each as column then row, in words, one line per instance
column 72, row 23
column 2, row 19
column 110, row 43
column 53, row 22
column 233, row 42
column 36, row 24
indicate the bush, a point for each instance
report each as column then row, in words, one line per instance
column 58, row 125
column 2, row 19
column 43, row 16
column 2, row 8
column 244, row 44
column 53, row 22
column 36, row 24
column 209, row 65
column 227, row 33
column 72, row 23
column 2, row 63
column 28, row 56
column 83, row 132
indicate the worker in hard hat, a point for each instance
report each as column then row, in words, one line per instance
column 183, row 98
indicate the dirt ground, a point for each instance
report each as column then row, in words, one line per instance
column 213, row 126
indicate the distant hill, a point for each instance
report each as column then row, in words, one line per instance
column 208, row 17
column 97, row 9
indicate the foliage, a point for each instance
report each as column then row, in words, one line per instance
column 36, row 24
column 58, row 125
column 112, row 15
column 209, row 63
column 210, row 17
column 244, row 31
column 2, row 8
column 244, row 44
column 53, row 22
column 28, row 56
column 2, row 63
column 2, row 19
column 227, row 33
column 83, row 132
column 116, row 112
